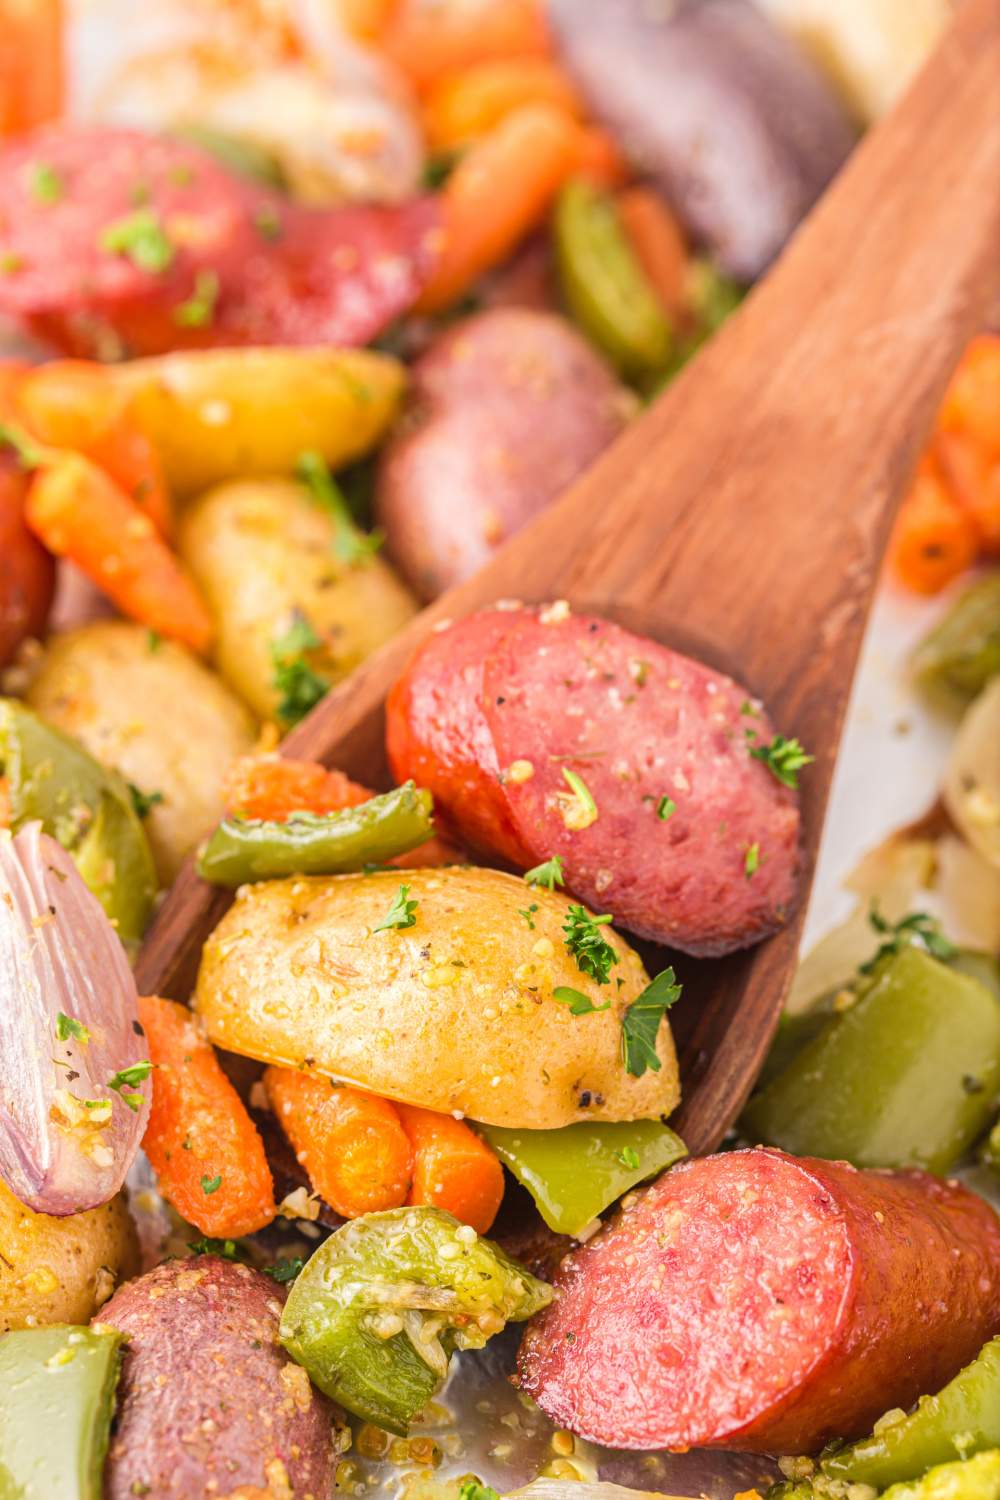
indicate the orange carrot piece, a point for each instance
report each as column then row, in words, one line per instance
column 427, row 39
column 659, row 244
column 75, row 403
column 498, row 194
column 266, row 786
column 31, row 63
column 78, row 512
column 599, row 158
column 466, row 105
column 934, row 540
column 352, row 1146
column 972, row 477
column 204, row 1147
column 453, row 1168
column 366, row 19
column 972, row 400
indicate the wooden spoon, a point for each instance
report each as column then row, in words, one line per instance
column 743, row 517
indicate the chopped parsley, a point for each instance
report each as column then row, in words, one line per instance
column 284, row 1271
column 267, row 222
column 584, row 940
column 629, row 1157
column 549, row 874
column 10, row 262
column 438, row 168
column 28, row 456
column 400, row 913
column 751, row 861
column 210, row 1185
column 131, row 1076
column 68, row 1026
column 471, row 1489
column 917, row 930
column 665, row 808
column 199, row 309
column 641, row 1023
column 225, row 1249
column 299, row 686
column 154, row 641
column 143, row 802
column 45, row 184
column 579, row 1003
column 783, row 758
column 579, row 809
column 142, row 238
column 352, row 547
column 528, row 913
column 748, row 707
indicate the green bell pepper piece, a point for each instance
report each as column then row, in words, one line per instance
column 976, row 1478
column 57, row 1394
column 578, row 1171
column 84, row 805
column 245, row 849
column 905, row 1077
column 962, row 1419
column 378, row 1310
column 962, row 652
column 606, row 289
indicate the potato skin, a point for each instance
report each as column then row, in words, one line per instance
column 156, row 714
column 453, row 1013
column 506, row 408
column 208, row 1401
column 216, row 414
column 262, row 552
column 59, row 1270
column 27, row 572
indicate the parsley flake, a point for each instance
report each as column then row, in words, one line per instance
column 225, row 1249
column 400, row 913
column 143, row 802
column 131, row 1076
column 352, row 547
column 783, row 758
column 68, row 1026
column 299, row 685
column 142, row 238
column 751, row 861
column 45, row 184
column 584, row 940
column 471, row 1489
column 10, row 262
column 917, row 930
column 284, row 1271
column 641, row 1023
column 629, row 1157
column 549, row 874
column 528, row 913
column 579, row 1003
column 154, row 641
column 199, row 309
column 210, row 1185
column 28, row 456
column 665, row 808
column 578, row 807
column 267, row 222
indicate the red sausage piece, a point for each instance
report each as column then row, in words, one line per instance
column 112, row 240
column 694, row 843
column 762, row 1302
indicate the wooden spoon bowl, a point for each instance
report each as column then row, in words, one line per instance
column 743, row 517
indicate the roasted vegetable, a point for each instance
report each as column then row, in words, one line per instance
column 975, row 1478
column 243, row 849
column 52, row 780
column 380, row 1307
column 972, row 779
column 962, row 652
column 575, row 1173
column 55, row 1415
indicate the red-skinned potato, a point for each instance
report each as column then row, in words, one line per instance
column 208, row 1401
column 506, row 408
column 27, row 572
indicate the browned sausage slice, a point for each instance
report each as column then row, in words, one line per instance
column 758, row 1301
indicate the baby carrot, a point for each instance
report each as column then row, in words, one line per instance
column 351, row 1145
column 453, row 1168
column 498, row 194
column 75, row 403
column 972, row 400
column 78, row 512
column 658, row 242
column 463, row 106
column 365, row 19
column 428, row 39
column 934, row 540
column 31, row 63
column 599, row 158
column 972, row 476
column 204, row 1147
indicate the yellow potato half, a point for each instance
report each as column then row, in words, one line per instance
column 262, row 551
column 155, row 713
column 216, row 414
column 455, row 1013
column 61, row 1270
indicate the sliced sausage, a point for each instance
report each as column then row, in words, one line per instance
column 764, row 1302
column 170, row 250
column 694, row 842
column 505, row 410
column 208, row 1400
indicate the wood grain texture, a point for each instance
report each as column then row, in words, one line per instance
column 743, row 517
